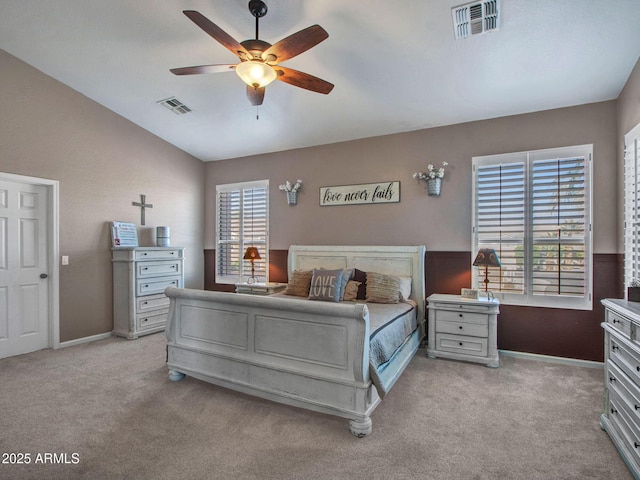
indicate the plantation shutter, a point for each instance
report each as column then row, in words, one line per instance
column 500, row 224
column 631, row 206
column 242, row 213
column 534, row 209
column 559, row 228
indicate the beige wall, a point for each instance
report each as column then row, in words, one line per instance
column 628, row 117
column 442, row 224
column 103, row 162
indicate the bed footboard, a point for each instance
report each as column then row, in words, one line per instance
column 313, row 355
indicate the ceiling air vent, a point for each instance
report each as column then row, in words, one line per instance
column 175, row 105
column 474, row 18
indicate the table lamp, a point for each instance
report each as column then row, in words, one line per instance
column 487, row 257
column 252, row 255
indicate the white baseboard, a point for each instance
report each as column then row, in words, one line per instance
column 549, row 358
column 79, row 341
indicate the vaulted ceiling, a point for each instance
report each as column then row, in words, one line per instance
column 396, row 65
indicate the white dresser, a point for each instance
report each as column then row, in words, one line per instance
column 463, row 329
column 621, row 415
column 140, row 276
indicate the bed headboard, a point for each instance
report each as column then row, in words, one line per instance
column 406, row 260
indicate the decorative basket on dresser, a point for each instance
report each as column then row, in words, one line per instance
column 621, row 415
column 140, row 276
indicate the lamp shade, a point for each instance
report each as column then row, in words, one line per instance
column 487, row 257
column 256, row 74
column 251, row 254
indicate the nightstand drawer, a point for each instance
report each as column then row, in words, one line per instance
column 461, row 328
column 461, row 344
column 465, row 317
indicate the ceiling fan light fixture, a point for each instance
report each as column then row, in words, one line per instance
column 256, row 74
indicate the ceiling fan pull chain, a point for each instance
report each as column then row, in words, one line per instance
column 257, row 113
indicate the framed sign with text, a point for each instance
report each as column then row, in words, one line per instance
column 362, row 194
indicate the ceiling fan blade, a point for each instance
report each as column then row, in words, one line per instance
column 220, row 68
column 255, row 95
column 216, row 33
column 303, row 80
column 295, row 44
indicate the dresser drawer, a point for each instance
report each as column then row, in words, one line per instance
column 460, row 328
column 157, row 254
column 626, row 429
column 461, row 316
column 153, row 320
column 624, row 356
column 620, row 322
column 152, row 302
column 156, row 269
column 461, row 344
column 627, row 392
column 156, row 285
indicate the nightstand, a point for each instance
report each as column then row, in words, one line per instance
column 260, row 288
column 463, row 329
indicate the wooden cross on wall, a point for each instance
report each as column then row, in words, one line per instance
column 142, row 204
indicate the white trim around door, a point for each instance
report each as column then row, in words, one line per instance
column 53, row 249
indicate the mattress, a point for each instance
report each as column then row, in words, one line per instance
column 390, row 326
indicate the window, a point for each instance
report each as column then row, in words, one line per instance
column 534, row 209
column 632, row 205
column 242, row 220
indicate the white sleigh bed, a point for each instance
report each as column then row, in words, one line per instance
column 309, row 354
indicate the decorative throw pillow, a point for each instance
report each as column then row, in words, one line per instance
column 325, row 285
column 346, row 276
column 299, row 283
column 351, row 291
column 405, row 288
column 382, row 288
column 360, row 276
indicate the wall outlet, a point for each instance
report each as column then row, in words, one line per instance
column 65, row 260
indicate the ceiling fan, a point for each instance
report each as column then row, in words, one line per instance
column 260, row 61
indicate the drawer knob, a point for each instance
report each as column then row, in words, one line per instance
column 460, row 327
column 614, row 346
column 637, row 369
column 636, row 444
column 460, row 343
column 613, row 410
column 612, row 379
column 460, row 315
column 636, row 407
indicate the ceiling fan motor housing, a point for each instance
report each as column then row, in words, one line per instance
column 255, row 47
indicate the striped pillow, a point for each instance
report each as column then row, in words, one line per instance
column 299, row 283
column 382, row 288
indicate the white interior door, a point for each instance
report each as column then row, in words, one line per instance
column 24, row 264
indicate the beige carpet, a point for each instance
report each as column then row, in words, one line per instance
column 111, row 404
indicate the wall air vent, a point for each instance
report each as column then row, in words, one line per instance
column 175, row 105
column 474, row 18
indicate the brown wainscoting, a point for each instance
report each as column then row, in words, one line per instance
column 545, row 331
